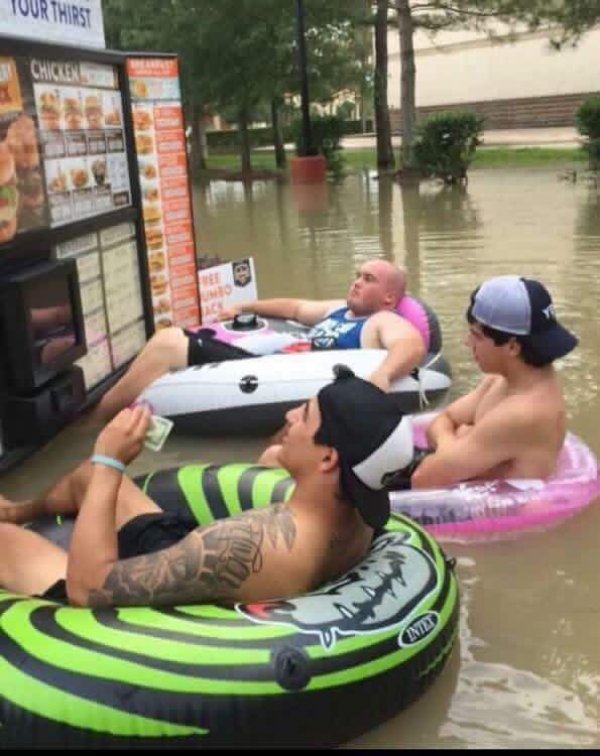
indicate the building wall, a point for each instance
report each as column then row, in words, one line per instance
column 514, row 83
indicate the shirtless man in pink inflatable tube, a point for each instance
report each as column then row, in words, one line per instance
column 368, row 318
column 513, row 425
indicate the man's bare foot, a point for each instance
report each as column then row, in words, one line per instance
column 270, row 456
column 278, row 437
column 12, row 511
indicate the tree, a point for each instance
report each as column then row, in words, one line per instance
column 166, row 26
column 383, row 129
column 571, row 19
column 238, row 56
column 568, row 19
column 337, row 53
column 261, row 65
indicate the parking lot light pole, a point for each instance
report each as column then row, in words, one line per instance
column 309, row 167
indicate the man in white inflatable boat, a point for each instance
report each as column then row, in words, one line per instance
column 341, row 448
column 366, row 319
column 513, row 425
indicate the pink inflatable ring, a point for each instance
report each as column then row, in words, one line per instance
column 494, row 509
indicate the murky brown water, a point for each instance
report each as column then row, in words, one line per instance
column 527, row 672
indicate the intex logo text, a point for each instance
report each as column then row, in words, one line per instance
column 419, row 628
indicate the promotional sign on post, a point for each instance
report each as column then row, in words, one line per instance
column 72, row 23
column 167, row 206
column 224, row 286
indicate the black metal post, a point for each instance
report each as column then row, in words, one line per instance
column 302, row 62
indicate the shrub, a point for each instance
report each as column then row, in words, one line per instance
column 229, row 141
column 356, row 127
column 588, row 118
column 588, row 124
column 445, row 145
column 327, row 132
column 226, row 142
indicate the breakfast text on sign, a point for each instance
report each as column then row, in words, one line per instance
column 53, row 11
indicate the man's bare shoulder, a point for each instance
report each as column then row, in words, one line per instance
column 390, row 320
column 492, row 382
column 494, row 390
column 525, row 415
column 387, row 316
column 310, row 312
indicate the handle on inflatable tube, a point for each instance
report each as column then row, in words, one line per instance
column 424, row 320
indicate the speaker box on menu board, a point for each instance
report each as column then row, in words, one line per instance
column 29, row 419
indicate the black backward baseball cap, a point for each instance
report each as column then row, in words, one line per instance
column 373, row 439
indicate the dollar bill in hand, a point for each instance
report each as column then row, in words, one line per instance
column 158, row 433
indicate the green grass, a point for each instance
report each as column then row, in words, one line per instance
column 503, row 157
column 356, row 160
column 485, row 157
column 260, row 161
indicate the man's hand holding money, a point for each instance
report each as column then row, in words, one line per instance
column 159, row 429
column 123, row 438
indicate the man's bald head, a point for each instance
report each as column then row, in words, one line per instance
column 380, row 285
column 394, row 279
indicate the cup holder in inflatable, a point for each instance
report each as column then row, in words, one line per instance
column 247, row 321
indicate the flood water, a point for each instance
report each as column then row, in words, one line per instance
column 527, row 669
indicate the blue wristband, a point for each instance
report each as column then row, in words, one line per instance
column 100, row 459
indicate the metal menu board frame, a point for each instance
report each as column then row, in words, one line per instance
column 69, row 187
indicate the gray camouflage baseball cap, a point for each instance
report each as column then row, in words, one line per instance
column 523, row 307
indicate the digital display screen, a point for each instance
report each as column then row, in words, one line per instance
column 50, row 314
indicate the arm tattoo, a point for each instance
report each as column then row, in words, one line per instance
column 209, row 564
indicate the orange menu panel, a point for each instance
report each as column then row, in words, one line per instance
column 167, row 207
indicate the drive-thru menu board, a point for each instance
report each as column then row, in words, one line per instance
column 62, row 144
column 80, row 116
column 162, row 157
column 111, row 297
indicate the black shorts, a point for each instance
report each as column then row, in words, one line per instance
column 204, row 348
column 144, row 534
column 57, row 592
column 152, row 532
column 402, row 480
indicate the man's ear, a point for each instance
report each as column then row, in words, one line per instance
column 330, row 460
column 389, row 300
column 514, row 348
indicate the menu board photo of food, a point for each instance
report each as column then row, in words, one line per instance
column 83, row 141
column 160, row 145
column 22, row 198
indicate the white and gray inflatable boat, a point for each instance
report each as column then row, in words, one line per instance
column 251, row 396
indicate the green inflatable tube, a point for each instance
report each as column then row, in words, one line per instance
column 316, row 670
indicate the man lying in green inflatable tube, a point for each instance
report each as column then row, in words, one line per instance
column 341, row 448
